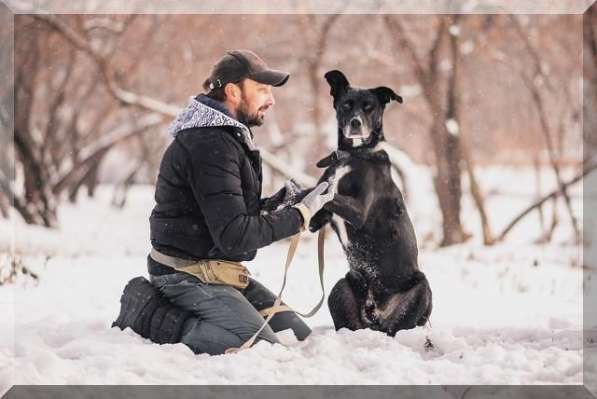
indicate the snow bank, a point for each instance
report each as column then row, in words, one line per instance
column 508, row 314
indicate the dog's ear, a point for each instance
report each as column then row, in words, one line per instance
column 338, row 83
column 385, row 94
column 327, row 161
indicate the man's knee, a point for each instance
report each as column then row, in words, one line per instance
column 204, row 337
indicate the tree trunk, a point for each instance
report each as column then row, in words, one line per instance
column 120, row 192
column 4, row 206
column 476, row 192
column 37, row 194
column 447, row 183
column 89, row 179
column 40, row 206
column 446, row 136
column 27, row 211
column 455, row 97
column 537, row 168
column 446, row 146
column 590, row 82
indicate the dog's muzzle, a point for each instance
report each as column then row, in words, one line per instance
column 356, row 131
column 356, row 123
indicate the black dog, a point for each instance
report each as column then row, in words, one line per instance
column 384, row 289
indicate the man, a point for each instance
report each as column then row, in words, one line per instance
column 209, row 214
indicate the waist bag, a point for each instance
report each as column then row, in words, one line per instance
column 209, row 271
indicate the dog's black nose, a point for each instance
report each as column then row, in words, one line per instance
column 355, row 123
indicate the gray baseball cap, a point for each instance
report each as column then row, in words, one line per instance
column 236, row 65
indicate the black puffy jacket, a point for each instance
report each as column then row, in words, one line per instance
column 208, row 191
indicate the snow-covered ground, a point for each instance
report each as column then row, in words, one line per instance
column 506, row 314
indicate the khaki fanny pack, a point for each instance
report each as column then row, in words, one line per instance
column 209, row 271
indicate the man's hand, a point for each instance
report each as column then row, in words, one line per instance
column 314, row 201
column 286, row 196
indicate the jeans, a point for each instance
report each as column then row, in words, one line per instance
column 226, row 317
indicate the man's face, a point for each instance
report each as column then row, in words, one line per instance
column 256, row 98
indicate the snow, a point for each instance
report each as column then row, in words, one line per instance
column 411, row 90
column 506, row 314
column 467, row 47
column 452, row 127
column 454, row 30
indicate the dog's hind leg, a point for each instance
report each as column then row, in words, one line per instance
column 425, row 318
column 406, row 309
column 345, row 302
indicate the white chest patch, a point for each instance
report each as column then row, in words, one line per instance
column 342, row 234
column 380, row 146
column 338, row 175
column 396, row 178
column 357, row 142
column 340, row 223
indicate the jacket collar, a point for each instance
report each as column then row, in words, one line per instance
column 203, row 111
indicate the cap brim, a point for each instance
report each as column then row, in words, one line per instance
column 270, row 77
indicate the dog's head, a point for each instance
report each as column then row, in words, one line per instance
column 359, row 111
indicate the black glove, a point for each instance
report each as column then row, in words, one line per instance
column 286, row 196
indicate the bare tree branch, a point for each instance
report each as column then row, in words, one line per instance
column 145, row 102
column 554, row 194
column 538, row 67
column 89, row 156
column 546, row 131
column 124, row 96
column 404, row 43
column 282, row 167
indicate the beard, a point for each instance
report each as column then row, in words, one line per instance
column 244, row 116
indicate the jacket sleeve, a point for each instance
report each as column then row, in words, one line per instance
column 215, row 178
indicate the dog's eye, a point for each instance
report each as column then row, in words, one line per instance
column 347, row 105
column 367, row 107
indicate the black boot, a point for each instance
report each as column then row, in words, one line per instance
column 262, row 298
column 149, row 314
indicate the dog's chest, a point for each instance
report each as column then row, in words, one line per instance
column 386, row 226
column 350, row 180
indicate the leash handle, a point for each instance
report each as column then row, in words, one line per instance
column 321, row 263
column 276, row 306
column 289, row 256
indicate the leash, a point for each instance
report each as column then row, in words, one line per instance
column 277, row 307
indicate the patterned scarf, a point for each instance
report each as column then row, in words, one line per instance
column 203, row 111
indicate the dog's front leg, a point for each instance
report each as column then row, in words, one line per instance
column 319, row 220
column 351, row 209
